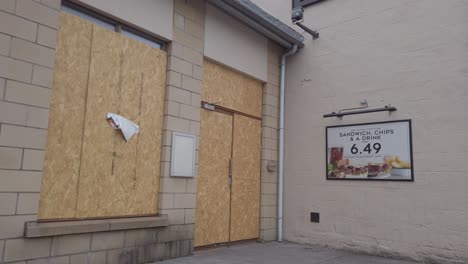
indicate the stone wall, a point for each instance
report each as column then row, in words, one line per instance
column 27, row 46
column 27, row 51
column 28, row 31
column 177, row 196
column 130, row 246
column 270, row 136
column 412, row 55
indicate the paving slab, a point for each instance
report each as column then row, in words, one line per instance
column 280, row 253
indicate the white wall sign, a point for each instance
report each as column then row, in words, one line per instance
column 372, row 151
column 183, row 155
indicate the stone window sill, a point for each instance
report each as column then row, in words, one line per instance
column 36, row 229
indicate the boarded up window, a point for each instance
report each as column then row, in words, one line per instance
column 90, row 171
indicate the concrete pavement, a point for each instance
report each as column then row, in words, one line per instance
column 279, row 253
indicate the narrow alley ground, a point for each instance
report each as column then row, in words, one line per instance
column 279, row 253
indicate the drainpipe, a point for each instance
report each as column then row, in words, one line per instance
column 281, row 141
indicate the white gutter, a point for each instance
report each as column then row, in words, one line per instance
column 281, row 142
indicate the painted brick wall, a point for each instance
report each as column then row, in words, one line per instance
column 412, row 55
column 270, row 125
column 27, row 45
column 177, row 196
column 27, row 50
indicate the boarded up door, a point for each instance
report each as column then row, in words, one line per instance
column 245, row 198
column 232, row 132
column 212, row 213
column 89, row 170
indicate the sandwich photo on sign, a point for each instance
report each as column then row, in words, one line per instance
column 371, row 151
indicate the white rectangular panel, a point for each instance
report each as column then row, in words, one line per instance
column 183, row 155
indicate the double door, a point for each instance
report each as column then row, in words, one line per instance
column 228, row 196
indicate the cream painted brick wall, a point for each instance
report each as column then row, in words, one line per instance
column 174, row 78
column 65, row 245
column 13, row 226
column 31, row 52
column 20, row 181
column 183, row 100
column 28, row 30
column 180, row 66
column 4, row 44
column 37, row 117
column 8, row 5
column 22, row 249
column 8, row 204
column 37, row 12
column 46, row 36
column 55, row 4
column 15, row 69
column 17, row 26
column 18, row 136
column 2, row 88
column 28, row 203
column 269, row 180
column 11, row 113
column 178, row 95
column 27, row 50
column 33, row 159
column 107, row 240
column 166, row 200
column 190, row 216
column 175, row 216
column 27, row 94
column 184, row 200
column 191, row 84
column 10, row 158
column 42, row 76
column 412, row 55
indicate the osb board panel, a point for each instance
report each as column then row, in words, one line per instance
column 212, row 213
column 66, row 119
column 99, row 71
column 245, row 199
column 121, row 178
column 245, row 209
column 150, row 119
column 94, row 197
column 231, row 89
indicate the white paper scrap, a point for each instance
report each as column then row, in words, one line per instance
column 121, row 123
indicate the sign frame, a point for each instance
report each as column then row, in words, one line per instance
column 372, row 123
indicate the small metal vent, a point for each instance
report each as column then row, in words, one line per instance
column 314, row 217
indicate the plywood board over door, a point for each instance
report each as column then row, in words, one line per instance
column 228, row 88
column 213, row 195
column 110, row 177
column 229, row 212
column 245, row 197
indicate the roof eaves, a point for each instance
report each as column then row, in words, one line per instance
column 253, row 16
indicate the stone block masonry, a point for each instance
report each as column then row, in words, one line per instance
column 130, row 246
column 177, row 196
column 27, row 51
column 269, row 179
column 409, row 54
column 28, row 30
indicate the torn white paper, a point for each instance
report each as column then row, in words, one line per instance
column 127, row 127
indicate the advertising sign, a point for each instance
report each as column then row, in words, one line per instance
column 371, row 151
